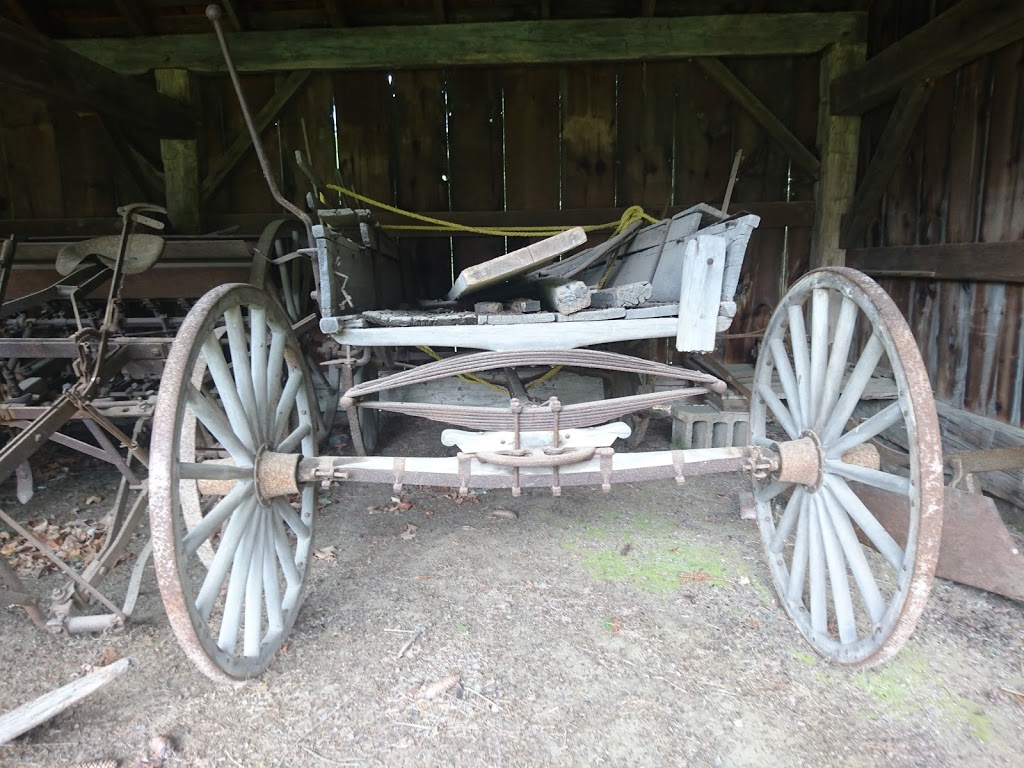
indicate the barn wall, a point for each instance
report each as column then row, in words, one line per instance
column 961, row 181
column 514, row 138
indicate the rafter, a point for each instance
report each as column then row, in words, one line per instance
column 242, row 143
column 798, row 153
column 968, row 30
column 30, row 15
column 498, row 43
column 34, row 63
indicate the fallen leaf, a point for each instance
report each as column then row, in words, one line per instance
column 327, row 554
column 506, row 514
column 437, row 688
column 697, row 576
column 468, row 528
column 93, row 500
column 409, row 532
column 625, row 550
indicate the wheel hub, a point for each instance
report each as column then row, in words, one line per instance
column 801, row 461
column 275, row 474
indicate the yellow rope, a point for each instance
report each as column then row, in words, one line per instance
column 470, row 378
column 631, row 214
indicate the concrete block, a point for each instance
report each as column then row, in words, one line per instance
column 704, row 426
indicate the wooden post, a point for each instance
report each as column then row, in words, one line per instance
column 838, row 139
column 181, row 159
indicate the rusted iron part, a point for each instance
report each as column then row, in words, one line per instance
column 976, row 549
column 213, row 13
column 485, row 361
column 544, row 458
column 6, row 264
column 536, row 417
column 133, row 349
column 800, row 461
column 925, row 420
column 61, row 565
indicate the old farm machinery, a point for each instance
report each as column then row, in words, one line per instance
column 235, row 469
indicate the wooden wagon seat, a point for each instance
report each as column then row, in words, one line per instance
column 143, row 252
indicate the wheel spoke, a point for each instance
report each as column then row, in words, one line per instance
column 234, row 600
column 798, row 568
column 229, row 542
column 819, row 351
column 258, row 362
column 854, row 389
column 284, row 509
column 286, row 291
column 275, row 365
column 780, row 411
column 769, row 492
column 271, row 587
column 213, row 519
column 837, row 360
column 819, row 605
column 225, row 384
column 285, row 405
column 873, row 477
column 241, row 368
column 876, row 533
column 788, row 381
column 214, row 420
column 284, row 554
column 866, row 430
column 794, row 508
column 838, row 580
column 801, row 361
column 854, row 552
column 291, row 442
column 253, row 631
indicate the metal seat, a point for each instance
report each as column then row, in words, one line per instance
column 143, row 252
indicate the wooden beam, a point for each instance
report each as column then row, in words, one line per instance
column 34, row 63
column 798, row 153
column 968, row 30
column 137, row 16
column 242, row 144
column 838, row 138
column 149, row 180
column 545, row 9
column 647, row 7
column 440, row 12
column 181, row 159
column 982, row 262
column 891, row 145
column 478, row 44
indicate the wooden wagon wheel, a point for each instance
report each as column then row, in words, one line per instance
column 233, row 577
column 291, row 282
column 813, row 524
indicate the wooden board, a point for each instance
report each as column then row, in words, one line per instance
column 646, row 135
column 701, row 287
column 588, row 135
column 476, row 158
column 32, row 168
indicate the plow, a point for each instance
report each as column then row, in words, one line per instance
column 213, row 394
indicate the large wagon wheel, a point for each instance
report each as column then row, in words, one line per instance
column 232, row 576
column 813, row 523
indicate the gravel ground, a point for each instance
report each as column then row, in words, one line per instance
column 637, row 628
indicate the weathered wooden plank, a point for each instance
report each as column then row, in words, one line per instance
column 87, row 172
column 565, row 296
column 588, row 135
column 624, row 295
column 475, row 44
column 531, row 139
column 242, row 143
column 769, row 121
column 512, row 319
column 705, row 144
column 699, row 295
column 362, row 102
column 49, row 705
column 891, row 148
column 32, row 168
column 983, row 262
column 39, row 65
column 969, row 29
column 475, row 127
column 837, row 141
column 515, row 263
column 607, row 313
column 646, row 135
column 181, row 159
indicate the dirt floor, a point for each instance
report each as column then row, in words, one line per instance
column 637, row 628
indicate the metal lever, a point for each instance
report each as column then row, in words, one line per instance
column 214, row 14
